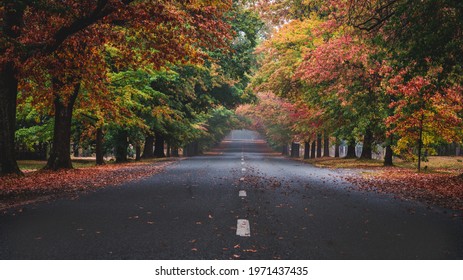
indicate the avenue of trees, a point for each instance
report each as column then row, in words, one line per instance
column 120, row 76
column 147, row 78
column 378, row 72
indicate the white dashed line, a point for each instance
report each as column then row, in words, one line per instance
column 242, row 194
column 243, row 169
column 243, row 228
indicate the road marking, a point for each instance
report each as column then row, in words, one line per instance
column 243, row 228
column 242, row 162
column 242, row 193
column 243, row 169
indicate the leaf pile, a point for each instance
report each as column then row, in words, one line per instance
column 47, row 184
column 445, row 190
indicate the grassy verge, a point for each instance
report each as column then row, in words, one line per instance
column 434, row 164
column 36, row 165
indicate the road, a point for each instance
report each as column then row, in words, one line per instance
column 190, row 211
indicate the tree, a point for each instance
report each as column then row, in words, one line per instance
column 40, row 28
column 271, row 117
column 31, row 29
column 348, row 72
column 423, row 113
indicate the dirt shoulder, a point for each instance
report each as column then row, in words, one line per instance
column 45, row 185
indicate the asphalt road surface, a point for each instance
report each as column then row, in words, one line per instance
column 191, row 211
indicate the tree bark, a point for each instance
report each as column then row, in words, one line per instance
column 13, row 15
column 60, row 156
column 319, row 145
column 367, row 150
column 420, row 142
column 8, row 96
column 312, row 150
column 186, row 150
column 295, row 150
column 388, row 156
column 351, row 149
column 336, row 149
column 99, row 147
column 168, row 150
column 175, row 152
column 121, row 145
column 148, row 151
column 137, row 151
column 306, row 149
column 159, row 145
column 326, row 145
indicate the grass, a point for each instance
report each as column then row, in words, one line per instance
column 436, row 163
column 433, row 164
column 33, row 165
column 331, row 162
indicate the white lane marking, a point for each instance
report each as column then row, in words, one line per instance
column 242, row 163
column 243, row 169
column 243, row 228
column 242, row 193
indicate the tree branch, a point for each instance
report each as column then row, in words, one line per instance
column 102, row 10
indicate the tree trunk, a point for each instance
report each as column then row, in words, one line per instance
column 137, row 151
column 186, row 150
column 326, row 145
column 336, row 149
column 148, row 151
column 388, row 156
column 306, row 149
column 420, row 142
column 121, row 145
column 60, row 156
column 367, row 145
column 99, row 147
column 168, row 150
column 319, row 145
column 295, row 150
column 8, row 96
column 159, row 145
column 312, row 150
column 13, row 14
column 175, row 152
column 351, row 149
